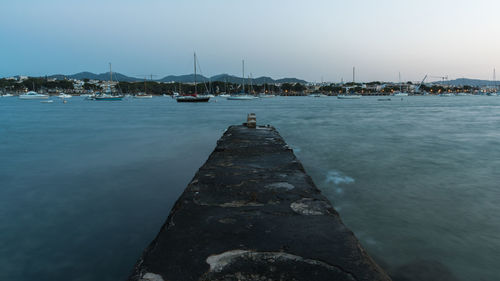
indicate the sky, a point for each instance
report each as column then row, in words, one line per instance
column 316, row 40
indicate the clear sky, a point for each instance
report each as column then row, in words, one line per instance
column 311, row 39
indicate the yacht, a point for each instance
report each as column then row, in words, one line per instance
column 264, row 95
column 348, row 97
column 108, row 94
column 317, row 95
column 64, row 96
column 6, row 95
column 31, row 95
column 446, row 95
column 194, row 97
column 143, row 96
column 400, row 94
column 242, row 95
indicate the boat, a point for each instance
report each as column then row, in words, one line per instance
column 143, row 96
column 6, row 95
column 492, row 94
column 242, row 95
column 317, row 95
column 194, row 97
column 264, row 95
column 47, row 101
column 348, row 97
column 384, row 99
column 446, row 95
column 32, row 95
column 224, row 95
column 64, row 96
column 400, row 94
column 108, row 94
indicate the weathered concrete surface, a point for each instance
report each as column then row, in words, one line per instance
column 252, row 213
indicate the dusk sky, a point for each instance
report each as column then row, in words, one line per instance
column 311, row 40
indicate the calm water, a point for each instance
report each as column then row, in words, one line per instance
column 85, row 186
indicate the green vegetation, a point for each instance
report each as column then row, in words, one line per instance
column 35, row 84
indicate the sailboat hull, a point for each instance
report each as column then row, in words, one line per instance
column 108, row 98
column 241, row 98
column 348, row 97
column 193, row 99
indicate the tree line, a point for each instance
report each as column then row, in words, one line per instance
column 35, row 84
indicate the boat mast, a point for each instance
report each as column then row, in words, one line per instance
column 243, row 77
column 110, row 74
column 400, row 86
column 495, row 79
column 195, row 88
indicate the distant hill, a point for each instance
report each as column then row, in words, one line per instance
column 92, row 76
column 188, row 78
column 468, row 82
column 229, row 78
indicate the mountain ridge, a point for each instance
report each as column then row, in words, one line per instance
column 187, row 78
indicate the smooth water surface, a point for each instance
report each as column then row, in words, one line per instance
column 85, row 186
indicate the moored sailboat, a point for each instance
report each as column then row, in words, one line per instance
column 108, row 94
column 242, row 95
column 194, row 97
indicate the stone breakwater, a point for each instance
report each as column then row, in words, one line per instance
column 252, row 213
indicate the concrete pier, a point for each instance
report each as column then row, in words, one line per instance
column 252, row 213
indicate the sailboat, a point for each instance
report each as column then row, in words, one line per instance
column 194, row 97
column 400, row 93
column 108, row 94
column 143, row 95
column 348, row 96
column 242, row 95
column 493, row 93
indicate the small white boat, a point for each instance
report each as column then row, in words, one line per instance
column 348, row 97
column 47, row 101
column 492, row 94
column 400, row 94
column 64, row 96
column 242, row 97
column 31, row 95
column 446, row 95
column 7, row 95
column 143, row 96
column 266, row 95
column 224, row 95
column 317, row 95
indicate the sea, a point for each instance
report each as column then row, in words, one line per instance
column 86, row 185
